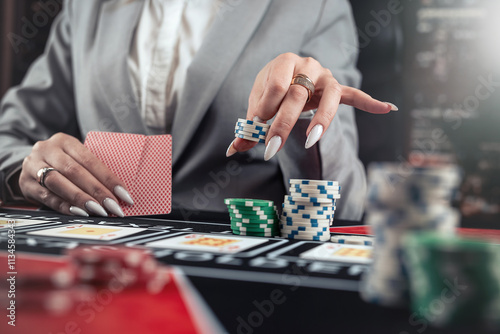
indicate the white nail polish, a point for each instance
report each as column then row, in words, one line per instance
column 113, row 207
column 258, row 119
column 76, row 211
column 95, row 208
column 230, row 150
column 123, row 195
column 314, row 135
column 272, row 147
column 393, row 106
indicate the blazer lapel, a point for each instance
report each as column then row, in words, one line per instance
column 223, row 44
column 116, row 25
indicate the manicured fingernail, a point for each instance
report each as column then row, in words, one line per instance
column 230, row 150
column 393, row 106
column 272, row 147
column 258, row 119
column 314, row 135
column 123, row 195
column 95, row 208
column 76, row 211
column 113, row 207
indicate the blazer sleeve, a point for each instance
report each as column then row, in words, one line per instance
column 333, row 42
column 43, row 104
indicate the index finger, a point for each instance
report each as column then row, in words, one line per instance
column 360, row 100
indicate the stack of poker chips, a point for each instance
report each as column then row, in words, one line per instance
column 309, row 209
column 459, row 277
column 403, row 200
column 132, row 267
column 251, row 130
column 253, row 217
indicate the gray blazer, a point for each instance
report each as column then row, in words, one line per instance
column 82, row 84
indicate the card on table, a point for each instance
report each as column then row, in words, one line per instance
column 4, row 222
column 143, row 163
column 86, row 231
column 340, row 253
column 208, row 243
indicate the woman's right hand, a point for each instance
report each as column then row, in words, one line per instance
column 79, row 185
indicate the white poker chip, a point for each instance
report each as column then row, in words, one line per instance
column 308, row 199
column 314, row 191
column 298, row 232
column 308, row 195
column 250, row 128
column 308, row 229
column 304, row 206
column 306, row 224
column 305, row 237
column 352, row 240
column 257, row 140
column 249, row 122
column 250, row 134
column 304, row 220
column 306, row 216
column 328, row 211
column 314, row 182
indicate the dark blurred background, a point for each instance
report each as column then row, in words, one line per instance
column 438, row 60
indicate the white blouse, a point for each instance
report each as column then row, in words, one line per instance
column 168, row 35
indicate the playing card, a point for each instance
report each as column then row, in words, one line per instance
column 340, row 253
column 143, row 163
column 85, row 231
column 4, row 222
column 208, row 243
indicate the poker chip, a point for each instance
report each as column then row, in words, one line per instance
column 305, row 237
column 251, row 130
column 309, row 209
column 250, row 134
column 302, row 199
column 254, row 123
column 399, row 205
column 315, row 183
column 257, row 140
column 133, row 267
column 253, row 217
column 244, row 202
column 352, row 240
column 335, row 190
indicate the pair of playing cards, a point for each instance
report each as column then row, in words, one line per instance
column 143, row 163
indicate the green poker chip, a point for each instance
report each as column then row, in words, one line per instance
column 255, row 234
column 251, row 209
column 255, row 221
column 248, row 202
column 253, row 225
column 253, row 217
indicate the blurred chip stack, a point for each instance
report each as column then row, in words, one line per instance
column 454, row 281
column 51, row 291
column 402, row 200
column 254, row 217
column 118, row 268
column 309, row 209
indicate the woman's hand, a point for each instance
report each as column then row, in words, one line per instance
column 273, row 95
column 80, row 183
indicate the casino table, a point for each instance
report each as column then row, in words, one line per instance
column 267, row 288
